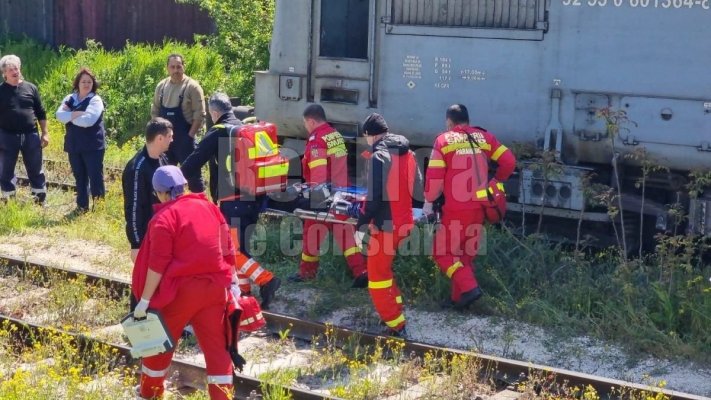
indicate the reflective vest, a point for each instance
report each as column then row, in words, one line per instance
column 254, row 163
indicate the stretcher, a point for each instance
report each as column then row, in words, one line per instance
column 333, row 203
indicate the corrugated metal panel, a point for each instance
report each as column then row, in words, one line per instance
column 114, row 22
column 516, row 14
column 29, row 17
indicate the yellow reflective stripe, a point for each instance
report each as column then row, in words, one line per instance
column 271, row 171
column 436, row 164
column 453, row 268
column 228, row 162
column 464, row 145
column 308, row 258
column 481, row 194
column 263, row 146
column 499, row 152
column 351, row 251
column 338, row 150
column 395, row 322
column 453, row 147
column 317, row 163
column 380, row 284
column 499, row 185
column 218, row 126
column 398, row 299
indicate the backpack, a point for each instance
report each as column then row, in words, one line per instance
column 255, row 165
column 495, row 206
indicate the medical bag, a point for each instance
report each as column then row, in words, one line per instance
column 148, row 336
column 257, row 165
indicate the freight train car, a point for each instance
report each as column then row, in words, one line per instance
column 531, row 71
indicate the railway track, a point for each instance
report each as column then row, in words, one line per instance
column 190, row 374
column 59, row 174
column 504, row 372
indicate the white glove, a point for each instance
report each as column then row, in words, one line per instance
column 427, row 208
column 141, row 308
column 359, row 235
column 234, row 289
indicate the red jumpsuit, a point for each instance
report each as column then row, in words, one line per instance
column 388, row 211
column 461, row 175
column 188, row 243
column 326, row 161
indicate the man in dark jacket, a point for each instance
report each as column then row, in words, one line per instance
column 387, row 212
column 21, row 111
column 240, row 213
column 138, row 196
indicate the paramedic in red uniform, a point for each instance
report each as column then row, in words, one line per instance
column 325, row 161
column 458, row 171
column 387, row 212
column 184, row 270
column 240, row 212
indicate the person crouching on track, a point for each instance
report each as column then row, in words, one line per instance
column 393, row 174
column 240, row 212
column 326, row 162
column 184, row 270
column 458, row 171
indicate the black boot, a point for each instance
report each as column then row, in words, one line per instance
column 401, row 333
column 296, row 278
column 268, row 291
column 468, row 298
column 360, row 281
column 39, row 198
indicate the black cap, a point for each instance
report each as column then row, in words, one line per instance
column 374, row 125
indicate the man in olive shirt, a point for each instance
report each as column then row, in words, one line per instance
column 180, row 99
column 20, row 111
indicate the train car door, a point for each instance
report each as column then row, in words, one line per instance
column 342, row 64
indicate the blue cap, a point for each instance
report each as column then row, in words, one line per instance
column 169, row 178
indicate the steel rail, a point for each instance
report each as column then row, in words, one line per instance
column 189, row 374
column 23, row 180
column 509, row 370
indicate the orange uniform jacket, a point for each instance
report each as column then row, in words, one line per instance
column 462, row 175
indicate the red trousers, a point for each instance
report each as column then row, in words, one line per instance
column 315, row 232
column 201, row 303
column 386, row 296
column 455, row 245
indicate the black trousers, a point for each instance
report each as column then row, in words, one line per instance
column 243, row 215
column 29, row 145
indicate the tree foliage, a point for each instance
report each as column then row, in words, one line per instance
column 244, row 29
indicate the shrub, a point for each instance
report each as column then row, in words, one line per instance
column 244, row 29
column 128, row 79
column 37, row 59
